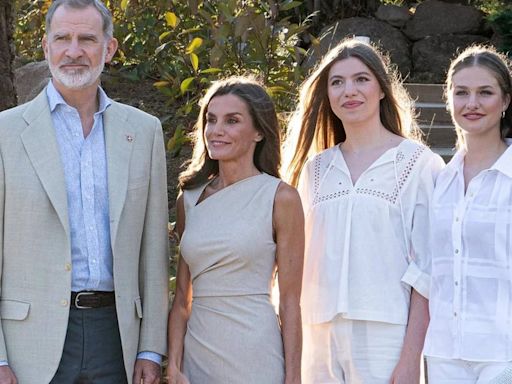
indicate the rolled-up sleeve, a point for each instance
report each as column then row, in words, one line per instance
column 417, row 274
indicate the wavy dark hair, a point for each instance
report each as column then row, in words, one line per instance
column 267, row 155
column 498, row 65
column 314, row 126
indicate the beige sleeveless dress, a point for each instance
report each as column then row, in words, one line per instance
column 233, row 335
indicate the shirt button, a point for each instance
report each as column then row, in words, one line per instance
column 64, row 303
column 456, row 251
column 456, row 283
column 455, row 314
column 67, row 267
column 457, row 219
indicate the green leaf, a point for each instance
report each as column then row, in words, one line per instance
column 211, row 70
column 194, row 44
column 185, row 84
column 287, row 5
column 171, row 19
column 164, row 35
column 195, row 61
column 275, row 90
column 177, row 141
column 172, row 284
column 160, row 84
column 124, row 5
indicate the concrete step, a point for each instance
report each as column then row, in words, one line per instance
column 434, row 120
column 426, row 92
column 439, row 135
column 445, row 153
column 432, row 113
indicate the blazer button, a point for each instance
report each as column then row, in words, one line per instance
column 67, row 267
column 64, row 303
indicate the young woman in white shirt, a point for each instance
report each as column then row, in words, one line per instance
column 365, row 189
column 469, row 339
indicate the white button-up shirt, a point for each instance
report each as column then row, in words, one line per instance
column 471, row 289
column 366, row 244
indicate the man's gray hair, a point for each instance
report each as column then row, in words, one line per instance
column 106, row 16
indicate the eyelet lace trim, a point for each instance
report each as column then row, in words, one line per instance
column 390, row 197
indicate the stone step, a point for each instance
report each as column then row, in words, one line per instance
column 439, row 135
column 426, row 92
column 445, row 153
column 432, row 113
column 434, row 120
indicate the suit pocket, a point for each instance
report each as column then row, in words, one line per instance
column 138, row 307
column 13, row 309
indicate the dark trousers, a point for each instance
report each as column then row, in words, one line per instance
column 92, row 350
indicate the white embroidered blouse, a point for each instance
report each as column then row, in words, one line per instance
column 471, row 292
column 366, row 244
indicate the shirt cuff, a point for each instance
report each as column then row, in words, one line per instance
column 417, row 279
column 3, row 363
column 152, row 356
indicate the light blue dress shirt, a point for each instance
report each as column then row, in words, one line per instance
column 86, row 175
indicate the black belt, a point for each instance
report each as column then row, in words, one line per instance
column 92, row 299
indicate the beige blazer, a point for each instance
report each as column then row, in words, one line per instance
column 35, row 254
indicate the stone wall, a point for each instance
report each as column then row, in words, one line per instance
column 421, row 41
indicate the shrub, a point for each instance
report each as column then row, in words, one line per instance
column 206, row 40
column 500, row 18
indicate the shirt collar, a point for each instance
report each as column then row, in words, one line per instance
column 503, row 164
column 55, row 98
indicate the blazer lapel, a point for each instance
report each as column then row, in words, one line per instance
column 42, row 149
column 118, row 142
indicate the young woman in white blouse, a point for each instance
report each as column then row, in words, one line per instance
column 366, row 190
column 469, row 339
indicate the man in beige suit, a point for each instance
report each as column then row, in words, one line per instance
column 83, row 228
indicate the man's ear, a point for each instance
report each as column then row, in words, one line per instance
column 111, row 49
column 44, row 44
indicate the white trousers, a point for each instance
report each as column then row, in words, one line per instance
column 350, row 351
column 454, row 371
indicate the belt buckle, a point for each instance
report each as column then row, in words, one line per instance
column 77, row 297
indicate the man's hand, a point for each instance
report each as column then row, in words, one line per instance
column 7, row 375
column 145, row 371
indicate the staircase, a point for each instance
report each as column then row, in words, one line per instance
column 433, row 118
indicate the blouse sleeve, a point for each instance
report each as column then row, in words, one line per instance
column 419, row 197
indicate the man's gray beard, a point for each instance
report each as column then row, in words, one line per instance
column 77, row 79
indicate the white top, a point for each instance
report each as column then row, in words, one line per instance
column 471, row 291
column 366, row 244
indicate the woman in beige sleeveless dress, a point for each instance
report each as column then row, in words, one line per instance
column 238, row 224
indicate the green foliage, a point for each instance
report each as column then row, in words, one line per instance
column 30, row 28
column 137, row 25
column 205, row 40
column 500, row 18
column 176, row 142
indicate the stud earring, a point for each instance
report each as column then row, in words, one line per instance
column 503, row 114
